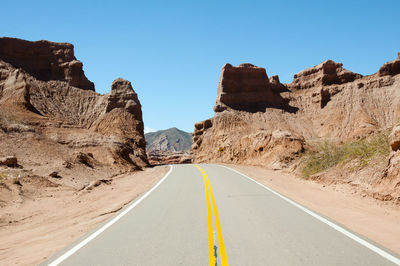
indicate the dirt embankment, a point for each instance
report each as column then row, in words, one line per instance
column 67, row 153
column 43, row 217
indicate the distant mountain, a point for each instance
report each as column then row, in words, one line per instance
column 171, row 140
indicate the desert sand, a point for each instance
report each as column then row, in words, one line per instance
column 33, row 230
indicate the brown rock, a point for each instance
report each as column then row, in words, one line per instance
column 83, row 158
column 158, row 157
column 394, row 138
column 247, row 88
column 123, row 96
column 326, row 73
column 390, row 68
column 333, row 103
column 45, row 60
column 58, row 114
column 276, row 85
column 10, row 161
column 54, row 175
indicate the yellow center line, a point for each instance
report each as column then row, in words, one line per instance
column 210, row 227
column 209, row 192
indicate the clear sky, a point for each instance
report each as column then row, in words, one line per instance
column 172, row 51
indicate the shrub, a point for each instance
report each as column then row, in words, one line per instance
column 320, row 156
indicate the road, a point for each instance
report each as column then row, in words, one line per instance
column 212, row 215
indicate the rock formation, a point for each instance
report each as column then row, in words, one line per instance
column 391, row 68
column 332, row 104
column 247, row 87
column 54, row 113
column 45, row 61
column 158, row 157
column 324, row 74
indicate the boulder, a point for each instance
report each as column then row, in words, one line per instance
column 394, row 138
column 10, row 161
column 45, row 60
column 54, row 174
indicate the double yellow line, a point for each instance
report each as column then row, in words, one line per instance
column 209, row 192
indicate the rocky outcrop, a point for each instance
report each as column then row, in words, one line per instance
column 45, row 61
column 11, row 161
column 123, row 96
column 326, row 73
column 14, row 88
column 333, row 103
column 59, row 116
column 391, row 68
column 248, row 88
column 158, row 157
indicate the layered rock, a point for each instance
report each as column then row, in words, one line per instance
column 333, row 103
column 59, row 120
column 248, row 88
column 122, row 117
column 326, row 73
column 391, row 68
column 159, row 157
column 45, row 61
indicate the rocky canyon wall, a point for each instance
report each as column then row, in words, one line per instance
column 262, row 121
column 50, row 107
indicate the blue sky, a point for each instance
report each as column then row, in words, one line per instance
column 173, row 51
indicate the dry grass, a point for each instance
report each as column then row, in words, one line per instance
column 9, row 123
column 6, row 119
column 320, row 156
column 3, row 176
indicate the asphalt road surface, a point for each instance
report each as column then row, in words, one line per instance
column 212, row 215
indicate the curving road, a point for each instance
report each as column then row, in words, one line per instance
column 213, row 215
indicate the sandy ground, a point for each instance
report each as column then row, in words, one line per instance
column 33, row 230
column 377, row 220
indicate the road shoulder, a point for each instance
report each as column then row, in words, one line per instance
column 53, row 222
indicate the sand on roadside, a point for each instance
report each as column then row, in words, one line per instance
column 378, row 221
column 45, row 225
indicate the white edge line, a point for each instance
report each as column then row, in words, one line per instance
column 104, row 227
column 361, row 241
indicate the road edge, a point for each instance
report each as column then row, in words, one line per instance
column 338, row 228
column 108, row 224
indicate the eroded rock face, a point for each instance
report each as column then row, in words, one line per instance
column 247, row 88
column 158, row 157
column 333, row 103
column 123, row 96
column 45, row 61
column 69, row 120
column 326, row 73
column 391, row 68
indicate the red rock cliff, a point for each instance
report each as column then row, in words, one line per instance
column 45, row 60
